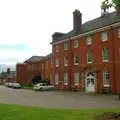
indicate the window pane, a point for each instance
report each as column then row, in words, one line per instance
column 89, row 57
column 76, row 78
column 66, row 45
column 56, row 62
column 57, row 48
column 89, row 40
column 65, row 61
column 104, row 36
column 65, row 78
column 75, row 43
column 105, row 55
column 76, row 60
column 56, row 78
column 106, row 79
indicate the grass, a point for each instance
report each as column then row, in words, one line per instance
column 28, row 87
column 15, row 112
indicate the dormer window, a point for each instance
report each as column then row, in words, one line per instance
column 104, row 36
column 88, row 40
column 75, row 43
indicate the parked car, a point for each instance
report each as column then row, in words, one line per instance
column 16, row 85
column 8, row 84
column 13, row 85
column 42, row 87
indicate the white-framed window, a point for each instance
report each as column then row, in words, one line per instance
column 57, row 48
column 89, row 57
column 76, row 78
column 76, row 60
column 75, row 43
column 66, row 45
column 56, row 78
column 104, row 36
column 57, row 62
column 106, row 79
column 65, row 61
column 65, row 78
column 88, row 40
column 118, row 32
column 105, row 57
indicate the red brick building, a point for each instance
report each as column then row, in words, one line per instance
column 88, row 57
column 34, row 66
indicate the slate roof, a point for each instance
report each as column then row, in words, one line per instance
column 34, row 59
column 102, row 21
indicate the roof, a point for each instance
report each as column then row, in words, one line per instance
column 102, row 21
column 35, row 59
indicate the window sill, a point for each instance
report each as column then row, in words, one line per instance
column 65, row 64
column 57, row 66
column 66, row 49
column 105, row 61
column 107, row 85
column 104, row 40
column 65, row 83
column 76, row 63
column 89, row 62
column 56, row 83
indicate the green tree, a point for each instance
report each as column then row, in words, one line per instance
column 36, row 79
column 8, row 71
column 106, row 4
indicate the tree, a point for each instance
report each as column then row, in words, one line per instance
column 116, row 4
column 36, row 79
column 106, row 4
column 8, row 71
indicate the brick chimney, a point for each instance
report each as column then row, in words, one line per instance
column 77, row 20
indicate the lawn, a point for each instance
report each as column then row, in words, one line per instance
column 15, row 112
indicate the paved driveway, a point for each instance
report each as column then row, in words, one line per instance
column 57, row 99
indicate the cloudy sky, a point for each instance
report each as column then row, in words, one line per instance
column 26, row 26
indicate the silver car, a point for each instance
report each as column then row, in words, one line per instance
column 42, row 86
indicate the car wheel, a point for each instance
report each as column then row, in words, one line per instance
column 41, row 89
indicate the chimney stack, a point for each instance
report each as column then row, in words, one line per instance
column 77, row 20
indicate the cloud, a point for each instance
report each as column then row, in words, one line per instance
column 26, row 26
column 18, row 47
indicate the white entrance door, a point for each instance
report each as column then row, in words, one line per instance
column 90, row 82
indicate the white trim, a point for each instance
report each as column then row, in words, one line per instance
column 105, row 61
column 90, row 32
column 106, row 85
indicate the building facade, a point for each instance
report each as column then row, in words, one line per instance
column 88, row 57
column 36, row 66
